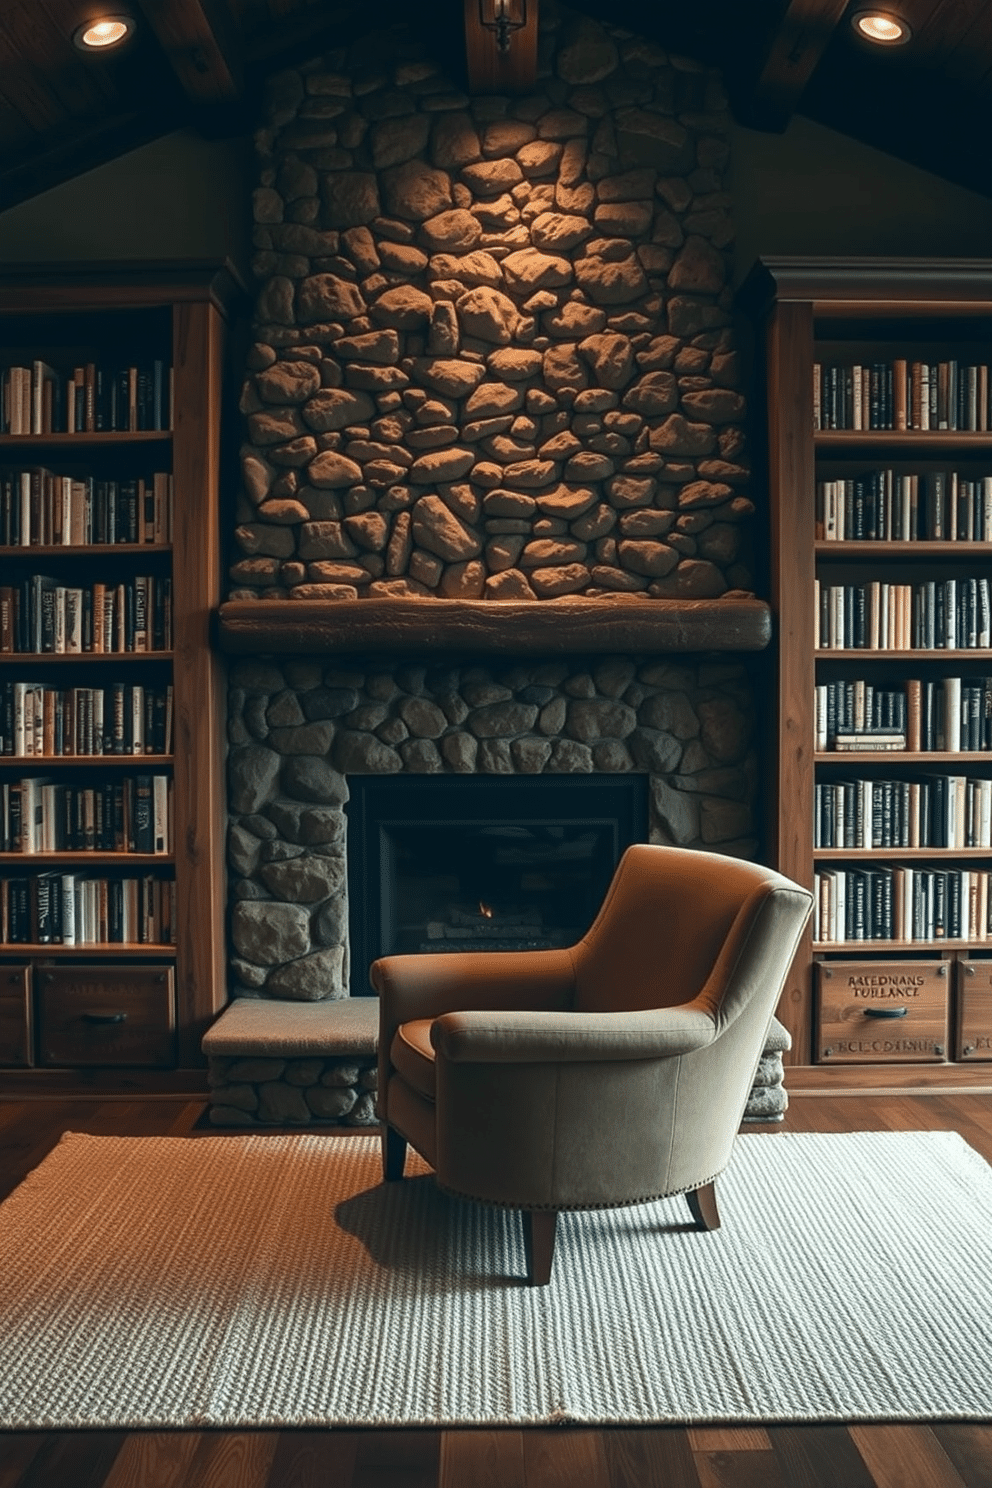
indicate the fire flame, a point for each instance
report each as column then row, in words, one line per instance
column 485, row 911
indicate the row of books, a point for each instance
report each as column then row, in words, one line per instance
column 909, row 904
column 901, row 394
column 939, row 614
column 132, row 815
column 940, row 811
column 85, row 399
column 887, row 506
column 85, row 909
column 39, row 508
column 48, row 722
column 944, row 713
column 41, row 614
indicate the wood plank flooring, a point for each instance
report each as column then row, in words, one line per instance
column 919, row 1455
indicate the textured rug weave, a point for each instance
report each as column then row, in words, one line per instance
column 275, row 1281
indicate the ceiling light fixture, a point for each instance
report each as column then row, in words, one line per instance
column 102, row 34
column 881, row 27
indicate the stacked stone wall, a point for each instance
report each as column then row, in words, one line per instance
column 259, row 1091
column 493, row 353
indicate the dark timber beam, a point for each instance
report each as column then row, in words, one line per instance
column 550, row 627
column 202, row 47
column 790, row 58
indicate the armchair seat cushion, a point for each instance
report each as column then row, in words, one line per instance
column 412, row 1055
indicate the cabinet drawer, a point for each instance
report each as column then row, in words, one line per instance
column 15, row 1015
column 974, row 1025
column 106, row 1015
column 888, row 1012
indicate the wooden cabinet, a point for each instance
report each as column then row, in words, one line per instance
column 878, row 460
column 974, row 1010
column 882, row 1011
column 106, row 1015
column 111, row 765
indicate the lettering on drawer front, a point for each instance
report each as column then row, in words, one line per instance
column 886, row 1046
column 885, row 986
column 882, row 1011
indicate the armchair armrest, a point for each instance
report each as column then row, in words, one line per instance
column 571, row 1038
column 426, row 986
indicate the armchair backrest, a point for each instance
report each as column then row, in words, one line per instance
column 668, row 918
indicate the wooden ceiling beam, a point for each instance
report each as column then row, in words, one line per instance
column 202, row 47
column 790, row 58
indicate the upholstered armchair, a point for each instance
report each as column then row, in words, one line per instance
column 610, row 1073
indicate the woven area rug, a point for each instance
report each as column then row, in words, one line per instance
column 275, row 1281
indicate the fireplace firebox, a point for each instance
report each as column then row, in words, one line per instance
column 482, row 863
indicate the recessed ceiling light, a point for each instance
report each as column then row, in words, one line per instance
column 103, row 33
column 881, row 27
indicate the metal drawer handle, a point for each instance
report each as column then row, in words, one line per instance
column 104, row 1017
column 890, row 1012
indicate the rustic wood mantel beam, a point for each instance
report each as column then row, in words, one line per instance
column 790, row 58
column 551, row 627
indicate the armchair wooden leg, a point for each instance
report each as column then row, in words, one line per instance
column 393, row 1154
column 702, row 1205
column 539, row 1244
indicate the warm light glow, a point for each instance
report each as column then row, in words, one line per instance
column 485, row 911
column 109, row 31
column 876, row 25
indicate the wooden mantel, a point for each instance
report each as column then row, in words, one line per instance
column 551, row 627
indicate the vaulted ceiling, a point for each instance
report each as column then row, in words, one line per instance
column 201, row 63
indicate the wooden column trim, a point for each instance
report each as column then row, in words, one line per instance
column 199, row 715
column 791, row 475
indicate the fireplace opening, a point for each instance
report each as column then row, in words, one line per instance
column 460, row 863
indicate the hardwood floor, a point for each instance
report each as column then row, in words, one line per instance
column 923, row 1455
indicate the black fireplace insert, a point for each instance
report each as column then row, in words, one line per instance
column 482, row 863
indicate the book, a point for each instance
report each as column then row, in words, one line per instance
column 870, row 739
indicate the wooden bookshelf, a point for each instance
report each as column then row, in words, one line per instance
column 112, row 315
column 838, row 312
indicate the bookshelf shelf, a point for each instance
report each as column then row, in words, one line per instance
column 918, row 757
column 81, row 550
column 948, row 855
column 888, row 548
column 104, row 949
column 84, row 658
column 851, row 948
column 969, row 656
column 67, row 442
column 67, row 337
column 913, row 441
column 86, row 859
column 878, row 341
column 85, row 761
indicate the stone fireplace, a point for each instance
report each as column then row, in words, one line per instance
column 494, row 518
column 302, row 730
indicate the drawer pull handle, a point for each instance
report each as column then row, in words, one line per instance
column 886, row 1012
column 105, row 1017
